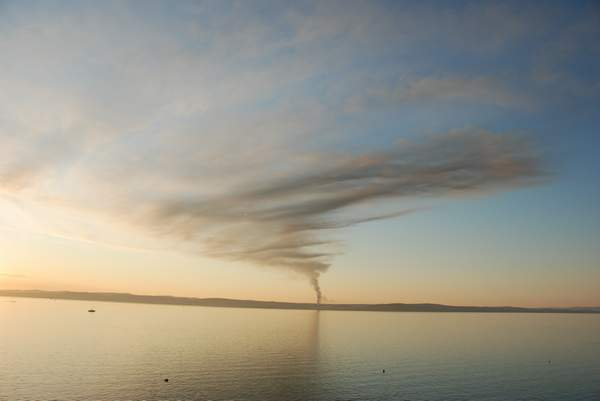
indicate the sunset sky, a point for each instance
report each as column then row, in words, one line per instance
column 387, row 151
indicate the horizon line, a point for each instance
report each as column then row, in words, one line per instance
column 124, row 297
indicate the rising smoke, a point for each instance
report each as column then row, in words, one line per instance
column 282, row 223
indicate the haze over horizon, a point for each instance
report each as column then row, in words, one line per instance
column 283, row 151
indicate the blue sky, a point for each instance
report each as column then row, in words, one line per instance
column 161, row 147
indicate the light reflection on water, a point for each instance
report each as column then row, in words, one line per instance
column 56, row 350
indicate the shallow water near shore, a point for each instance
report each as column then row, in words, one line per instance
column 55, row 349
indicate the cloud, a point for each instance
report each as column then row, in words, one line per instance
column 476, row 90
column 223, row 127
column 12, row 275
column 454, row 90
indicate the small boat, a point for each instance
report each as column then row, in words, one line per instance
column 91, row 310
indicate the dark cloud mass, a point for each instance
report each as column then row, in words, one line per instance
column 279, row 223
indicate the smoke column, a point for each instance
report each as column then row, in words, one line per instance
column 314, row 281
column 276, row 222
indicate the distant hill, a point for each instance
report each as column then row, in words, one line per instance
column 240, row 303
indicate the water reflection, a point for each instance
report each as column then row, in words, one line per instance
column 57, row 350
column 274, row 363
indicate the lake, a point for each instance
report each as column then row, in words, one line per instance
column 55, row 349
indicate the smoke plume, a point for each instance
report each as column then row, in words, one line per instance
column 283, row 222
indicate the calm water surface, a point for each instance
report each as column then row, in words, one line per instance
column 57, row 350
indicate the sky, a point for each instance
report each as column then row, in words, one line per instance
column 345, row 151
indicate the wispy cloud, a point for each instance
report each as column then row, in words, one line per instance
column 478, row 90
column 224, row 126
column 12, row 275
column 421, row 91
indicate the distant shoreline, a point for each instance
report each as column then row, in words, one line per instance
column 237, row 303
